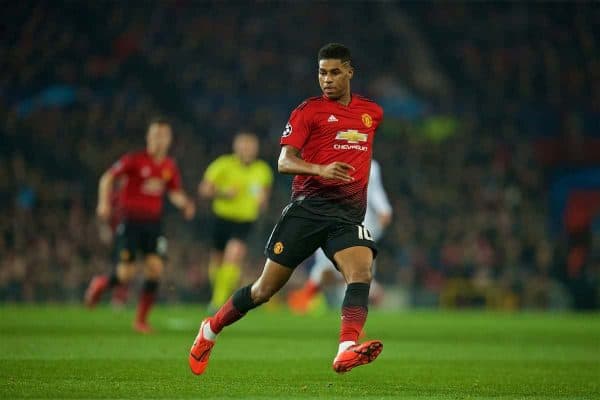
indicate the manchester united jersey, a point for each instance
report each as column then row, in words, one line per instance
column 326, row 131
column 145, row 183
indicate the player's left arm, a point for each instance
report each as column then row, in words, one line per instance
column 183, row 202
column 290, row 162
column 178, row 197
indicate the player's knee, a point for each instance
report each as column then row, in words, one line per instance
column 154, row 267
column 359, row 273
column 235, row 251
column 125, row 272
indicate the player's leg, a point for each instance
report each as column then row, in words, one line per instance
column 230, row 271
column 353, row 252
column 376, row 291
column 153, row 270
column 221, row 233
column 293, row 239
column 273, row 277
column 215, row 259
column 125, row 247
column 154, row 247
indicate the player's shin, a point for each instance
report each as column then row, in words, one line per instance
column 147, row 299
column 234, row 309
column 226, row 280
column 354, row 313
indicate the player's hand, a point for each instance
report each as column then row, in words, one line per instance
column 337, row 170
column 228, row 193
column 189, row 210
column 105, row 233
column 103, row 211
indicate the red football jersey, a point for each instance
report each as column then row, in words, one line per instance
column 326, row 131
column 144, row 186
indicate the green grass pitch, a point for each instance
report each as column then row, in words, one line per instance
column 70, row 352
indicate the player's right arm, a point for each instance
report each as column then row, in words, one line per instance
column 105, row 186
column 291, row 162
column 293, row 138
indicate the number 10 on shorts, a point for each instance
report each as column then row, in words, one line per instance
column 363, row 233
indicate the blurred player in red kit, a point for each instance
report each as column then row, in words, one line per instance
column 146, row 177
column 327, row 144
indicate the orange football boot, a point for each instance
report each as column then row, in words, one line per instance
column 200, row 351
column 298, row 301
column 356, row 355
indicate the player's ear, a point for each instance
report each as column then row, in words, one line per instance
column 350, row 71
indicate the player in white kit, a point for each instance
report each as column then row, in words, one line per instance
column 378, row 216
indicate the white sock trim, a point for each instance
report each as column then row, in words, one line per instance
column 207, row 332
column 344, row 345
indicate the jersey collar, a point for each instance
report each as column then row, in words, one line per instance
column 335, row 101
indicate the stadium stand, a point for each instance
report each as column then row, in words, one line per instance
column 489, row 150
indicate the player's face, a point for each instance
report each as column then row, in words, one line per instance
column 334, row 77
column 159, row 139
column 246, row 148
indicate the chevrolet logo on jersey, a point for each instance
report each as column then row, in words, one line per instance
column 352, row 136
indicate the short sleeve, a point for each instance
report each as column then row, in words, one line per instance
column 123, row 166
column 214, row 169
column 297, row 128
column 175, row 182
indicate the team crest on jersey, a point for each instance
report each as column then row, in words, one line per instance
column 278, row 248
column 367, row 120
column 166, row 174
column 288, row 130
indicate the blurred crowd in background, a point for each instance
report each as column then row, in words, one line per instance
column 490, row 149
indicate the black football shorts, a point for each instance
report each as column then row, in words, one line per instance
column 299, row 233
column 224, row 230
column 139, row 236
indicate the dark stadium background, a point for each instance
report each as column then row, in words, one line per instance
column 490, row 150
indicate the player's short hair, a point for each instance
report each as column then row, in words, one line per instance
column 335, row 51
column 245, row 133
column 158, row 121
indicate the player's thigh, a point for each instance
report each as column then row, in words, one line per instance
column 352, row 250
column 235, row 251
column 273, row 277
column 294, row 238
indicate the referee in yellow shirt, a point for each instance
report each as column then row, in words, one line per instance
column 239, row 185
